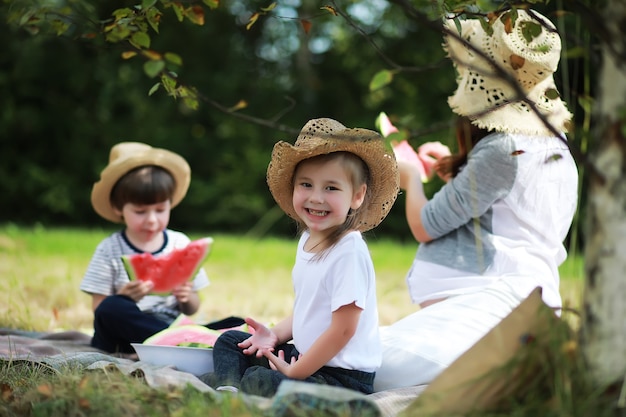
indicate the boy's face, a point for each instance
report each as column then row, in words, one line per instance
column 145, row 222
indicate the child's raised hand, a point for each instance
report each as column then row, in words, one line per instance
column 262, row 340
column 183, row 292
column 430, row 153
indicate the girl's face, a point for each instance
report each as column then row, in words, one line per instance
column 323, row 194
column 145, row 222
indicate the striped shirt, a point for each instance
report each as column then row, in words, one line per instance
column 106, row 275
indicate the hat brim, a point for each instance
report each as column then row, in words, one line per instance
column 368, row 145
column 489, row 100
column 170, row 161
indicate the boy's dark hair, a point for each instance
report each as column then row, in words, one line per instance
column 143, row 185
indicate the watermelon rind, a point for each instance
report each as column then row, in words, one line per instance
column 161, row 287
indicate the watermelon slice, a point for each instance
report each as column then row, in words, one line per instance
column 426, row 156
column 170, row 270
column 189, row 335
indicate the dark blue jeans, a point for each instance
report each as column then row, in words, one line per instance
column 118, row 322
column 253, row 375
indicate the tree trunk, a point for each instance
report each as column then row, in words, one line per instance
column 604, row 315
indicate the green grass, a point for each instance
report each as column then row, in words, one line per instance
column 42, row 268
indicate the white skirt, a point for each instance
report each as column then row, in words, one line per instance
column 417, row 348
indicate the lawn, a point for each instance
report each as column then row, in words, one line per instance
column 42, row 269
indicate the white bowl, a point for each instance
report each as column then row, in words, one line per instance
column 197, row 361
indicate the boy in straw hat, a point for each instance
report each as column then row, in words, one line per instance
column 138, row 188
column 495, row 231
column 336, row 183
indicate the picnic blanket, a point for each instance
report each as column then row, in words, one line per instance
column 469, row 384
column 56, row 351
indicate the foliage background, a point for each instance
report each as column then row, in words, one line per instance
column 65, row 101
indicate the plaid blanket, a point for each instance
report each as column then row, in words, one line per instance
column 59, row 350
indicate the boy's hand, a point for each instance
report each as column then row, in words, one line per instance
column 183, row 292
column 136, row 290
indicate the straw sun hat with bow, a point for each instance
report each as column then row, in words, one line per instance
column 527, row 46
column 126, row 156
column 324, row 136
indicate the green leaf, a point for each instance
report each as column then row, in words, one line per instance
column 191, row 102
column 154, row 89
column 552, row 94
column 169, row 84
column 122, row 13
column 486, row 26
column 554, row 157
column 269, row 8
column 153, row 68
column 459, row 28
column 486, row 5
column 173, row 58
column 117, row 34
column 153, row 17
column 59, row 26
column 179, row 10
column 381, row 79
column 213, row 4
column 398, row 136
column 530, row 30
column 140, row 40
column 146, row 4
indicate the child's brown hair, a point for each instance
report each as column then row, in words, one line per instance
column 143, row 185
column 467, row 136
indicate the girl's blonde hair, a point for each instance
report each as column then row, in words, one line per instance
column 359, row 174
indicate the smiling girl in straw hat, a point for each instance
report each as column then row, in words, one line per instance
column 138, row 188
column 336, row 183
column 495, row 231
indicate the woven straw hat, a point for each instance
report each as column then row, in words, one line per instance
column 528, row 47
column 324, row 136
column 126, row 156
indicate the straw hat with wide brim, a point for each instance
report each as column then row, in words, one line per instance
column 527, row 46
column 126, row 156
column 324, row 136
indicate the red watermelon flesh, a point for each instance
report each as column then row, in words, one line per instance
column 185, row 335
column 170, row 270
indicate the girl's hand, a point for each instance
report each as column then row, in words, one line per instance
column 262, row 340
column 278, row 363
column 430, row 153
column 183, row 292
column 136, row 290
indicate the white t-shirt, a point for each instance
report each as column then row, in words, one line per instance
column 106, row 275
column 504, row 216
column 343, row 276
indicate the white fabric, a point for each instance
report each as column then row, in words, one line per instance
column 417, row 348
column 505, row 215
column 106, row 275
column 343, row 276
